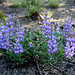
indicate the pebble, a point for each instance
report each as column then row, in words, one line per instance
column 23, row 70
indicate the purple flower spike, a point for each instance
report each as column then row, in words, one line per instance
column 49, row 34
column 70, row 41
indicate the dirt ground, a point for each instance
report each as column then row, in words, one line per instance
column 60, row 14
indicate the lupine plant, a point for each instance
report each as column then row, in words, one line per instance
column 17, row 47
column 7, row 34
column 54, row 40
column 47, row 44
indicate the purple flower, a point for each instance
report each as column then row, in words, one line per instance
column 49, row 51
column 73, row 39
column 49, row 41
column 43, row 33
column 29, row 45
column 48, row 23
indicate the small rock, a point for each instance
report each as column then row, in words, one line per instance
column 23, row 70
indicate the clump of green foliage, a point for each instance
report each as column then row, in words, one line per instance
column 33, row 7
column 56, row 3
column 38, row 49
column 33, row 10
column 22, row 3
column 34, row 45
column 18, row 3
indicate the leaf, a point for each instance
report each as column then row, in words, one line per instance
column 36, row 32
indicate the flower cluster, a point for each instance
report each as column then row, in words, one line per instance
column 70, row 41
column 19, row 32
column 17, row 48
column 52, row 45
column 69, row 50
column 48, row 32
column 67, row 27
column 18, row 38
column 7, row 33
